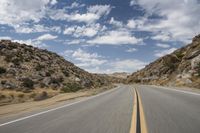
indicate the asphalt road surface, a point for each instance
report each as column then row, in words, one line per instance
column 108, row 113
column 170, row 111
column 165, row 111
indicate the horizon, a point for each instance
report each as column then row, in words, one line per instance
column 102, row 36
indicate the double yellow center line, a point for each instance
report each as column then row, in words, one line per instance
column 138, row 123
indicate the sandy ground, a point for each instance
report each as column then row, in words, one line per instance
column 20, row 108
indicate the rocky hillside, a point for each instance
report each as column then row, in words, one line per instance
column 180, row 68
column 122, row 75
column 25, row 68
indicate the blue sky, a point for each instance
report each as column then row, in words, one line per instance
column 102, row 36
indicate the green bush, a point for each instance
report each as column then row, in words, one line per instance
column 71, row 87
column 2, row 70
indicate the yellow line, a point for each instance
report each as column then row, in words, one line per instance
column 134, row 114
column 143, row 125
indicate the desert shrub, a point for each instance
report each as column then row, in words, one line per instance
column 8, row 57
column 3, row 82
column 71, row 87
column 41, row 96
column 39, row 67
column 179, row 55
column 28, row 83
column 66, row 73
column 48, row 74
column 57, row 80
column 21, row 95
column 16, row 61
column 2, row 96
column 2, row 70
column 32, row 95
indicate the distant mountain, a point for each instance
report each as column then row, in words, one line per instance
column 122, row 75
column 180, row 68
column 25, row 68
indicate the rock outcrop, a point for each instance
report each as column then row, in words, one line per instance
column 180, row 68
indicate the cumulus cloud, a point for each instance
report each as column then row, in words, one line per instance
column 161, row 45
column 161, row 37
column 117, row 37
column 46, row 37
column 5, row 38
column 131, row 23
column 100, row 10
column 36, row 28
column 127, row 65
column 14, row 12
column 180, row 19
column 85, row 59
column 115, row 22
column 92, row 14
column 85, row 30
column 96, row 63
column 160, row 53
column 32, row 42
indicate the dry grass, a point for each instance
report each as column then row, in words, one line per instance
column 19, row 108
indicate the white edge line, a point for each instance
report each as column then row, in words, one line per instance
column 187, row 92
column 50, row 110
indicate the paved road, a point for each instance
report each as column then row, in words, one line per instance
column 169, row 111
column 165, row 111
column 107, row 113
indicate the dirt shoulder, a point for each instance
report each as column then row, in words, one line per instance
column 20, row 108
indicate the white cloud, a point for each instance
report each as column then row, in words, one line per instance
column 100, row 10
column 115, row 22
column 161, row 53
column 131, row 50
column 85, row 30
column 162, row 45
column 76, row 41
column 36, row 28
column 127, row 65
column 84, row 59
column 115, row 38
column 87, row 17
column 132, row 2
column 5, row 38
column 131, row 23
column 180, row 19
column 53, row 2
column 161, row 37
column 87, row 59
column 93, row 14
column 96, row 63
column 46, row 37
column 32, row 42
column 14, row 12
column 69, row 30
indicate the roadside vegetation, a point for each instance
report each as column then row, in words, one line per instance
column 71, row 87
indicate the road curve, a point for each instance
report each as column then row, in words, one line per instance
column 170, row 111
column 107, row 113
